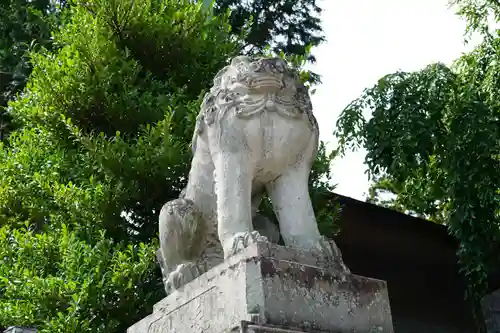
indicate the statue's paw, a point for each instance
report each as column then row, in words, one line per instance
column 183, row 274
column 330, row 250
column 240, row 241
column 325, row 247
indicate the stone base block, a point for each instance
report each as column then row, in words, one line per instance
column 247, row 327
column 278, row 288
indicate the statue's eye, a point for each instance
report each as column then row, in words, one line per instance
column 239, row 90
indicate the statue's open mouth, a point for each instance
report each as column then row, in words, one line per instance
column 264, row 91
column 270, row 102
column 265, row 82
column 269, row 82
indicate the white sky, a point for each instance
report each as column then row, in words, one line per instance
column 366, row 40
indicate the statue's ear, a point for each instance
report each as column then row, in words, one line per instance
column 218, row 82
column 240, row 59
column 208, row 100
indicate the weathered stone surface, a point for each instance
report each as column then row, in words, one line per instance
column 491, row 311
column 267, row 284
column 255, row 134
column 247, row 327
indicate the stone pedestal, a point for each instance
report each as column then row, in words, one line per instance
column 270, row 288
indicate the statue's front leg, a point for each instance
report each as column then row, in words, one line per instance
column 182, row 233
column 233, row 175
column 292, row 205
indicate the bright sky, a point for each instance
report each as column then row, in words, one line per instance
column 366, row 40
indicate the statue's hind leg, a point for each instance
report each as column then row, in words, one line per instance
column 182, row 233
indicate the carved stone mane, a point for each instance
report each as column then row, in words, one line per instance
column 243, row 73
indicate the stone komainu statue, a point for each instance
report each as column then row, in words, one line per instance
column 255, row 133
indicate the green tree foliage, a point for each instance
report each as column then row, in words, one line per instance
column 23, row 24
column 388, row 192
column 106, row 119
column 480, row 14
column 433, row 140
column 103, row 144
column 291, row 27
